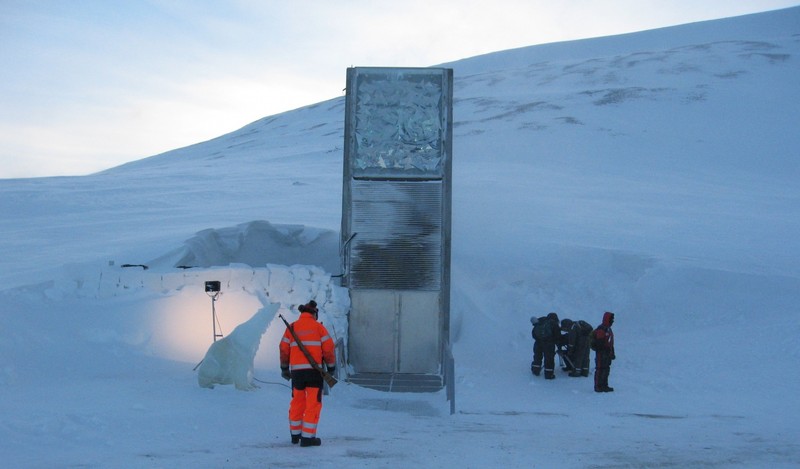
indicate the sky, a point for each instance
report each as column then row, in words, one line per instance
column 91, row 84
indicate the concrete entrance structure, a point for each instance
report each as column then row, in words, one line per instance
column 396, row 223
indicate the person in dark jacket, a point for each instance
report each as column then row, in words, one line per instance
column 546, row 334
column 565, row 353
column 604, row 353
column 576, row 340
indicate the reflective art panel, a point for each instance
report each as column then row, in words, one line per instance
column 398, row 123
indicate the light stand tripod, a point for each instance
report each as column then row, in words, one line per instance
column 212, row 290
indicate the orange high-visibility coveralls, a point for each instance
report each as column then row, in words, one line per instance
column 307, row 382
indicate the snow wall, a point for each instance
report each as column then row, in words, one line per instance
column 264, row 269
column 171, row 315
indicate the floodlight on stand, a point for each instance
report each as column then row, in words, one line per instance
column 212, row 290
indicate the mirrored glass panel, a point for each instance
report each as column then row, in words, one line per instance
column 399, row 123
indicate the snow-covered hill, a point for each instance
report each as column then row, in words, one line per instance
column 651, row 174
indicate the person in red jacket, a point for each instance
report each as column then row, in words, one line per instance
column 307, row 382
column 603, row 341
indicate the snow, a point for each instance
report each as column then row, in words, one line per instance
column 651, row 174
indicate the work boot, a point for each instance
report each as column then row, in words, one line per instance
column 295, row 439
column 608, row 389
column 535, row 369
column 550, row 375
column 585, row 373
column 598, row 389
column 310, row 441
column 574, row 373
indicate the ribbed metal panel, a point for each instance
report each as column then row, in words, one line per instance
column 398, row 242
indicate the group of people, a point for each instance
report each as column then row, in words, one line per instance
column 306, row 346
column 573, row 341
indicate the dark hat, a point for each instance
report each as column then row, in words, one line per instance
column 566, row 323
column 552, row 316
column 608, row 318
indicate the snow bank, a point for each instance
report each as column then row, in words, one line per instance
column 175, row 320
column 258, row 243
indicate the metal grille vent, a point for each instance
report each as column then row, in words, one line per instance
column 399, row 235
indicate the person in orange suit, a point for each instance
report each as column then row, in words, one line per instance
column 307, row 382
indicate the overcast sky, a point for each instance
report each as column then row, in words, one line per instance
column 86, row 85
